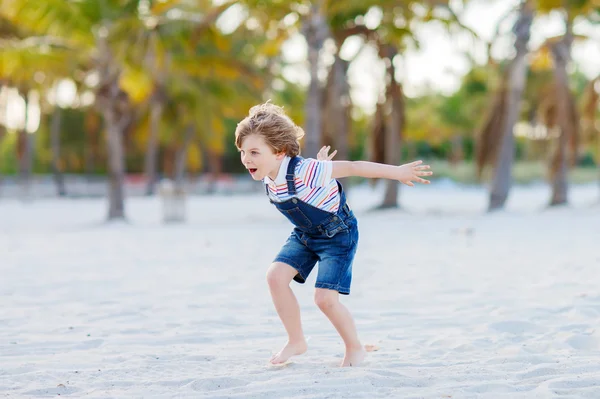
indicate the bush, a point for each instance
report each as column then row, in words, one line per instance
column 586, row 161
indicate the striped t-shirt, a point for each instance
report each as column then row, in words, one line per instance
column 314, row 184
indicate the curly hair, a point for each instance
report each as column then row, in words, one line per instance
column 271, row 123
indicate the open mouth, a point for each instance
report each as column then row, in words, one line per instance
column 252, row 170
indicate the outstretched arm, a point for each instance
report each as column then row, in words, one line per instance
column 406, row 173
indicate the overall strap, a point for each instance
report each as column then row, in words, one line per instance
column 289, row 177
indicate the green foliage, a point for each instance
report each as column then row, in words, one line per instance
column 8, row 154
column 211, row 79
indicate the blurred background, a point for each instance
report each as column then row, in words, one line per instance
column 111, row 97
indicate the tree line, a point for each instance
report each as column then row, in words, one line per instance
column 159, row 84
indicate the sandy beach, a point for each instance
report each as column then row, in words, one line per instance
column 462, row 304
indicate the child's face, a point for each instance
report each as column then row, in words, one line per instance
column 259, row 158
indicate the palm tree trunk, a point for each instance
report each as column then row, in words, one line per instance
column 113, row 104
column 116, row 166
column 181, row 157
column 457, row 153
column 561, row 54
column 151, row 160
column 393, row 131
column 315, row 32
column 55, row 144
column 393, row 150
column 2, row 135
column 215, row 160
column 502, row 179
column 591, row 130
column 92, row 127
column 157, row 103
column 25, row 153
column 2, row 127
column 174, row 194
column 340, row 107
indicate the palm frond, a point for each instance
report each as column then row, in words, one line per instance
column 64, row 19
column 21, row 61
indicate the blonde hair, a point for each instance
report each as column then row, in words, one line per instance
column 271, row 123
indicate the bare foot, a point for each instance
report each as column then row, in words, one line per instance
column 354, row 357
column 288, row 351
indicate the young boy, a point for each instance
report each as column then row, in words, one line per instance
column 307, row 193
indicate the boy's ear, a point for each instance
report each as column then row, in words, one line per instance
column 280, row 156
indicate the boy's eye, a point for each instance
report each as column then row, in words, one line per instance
column 254, row 152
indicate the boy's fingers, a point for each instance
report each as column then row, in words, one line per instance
column 332, row 155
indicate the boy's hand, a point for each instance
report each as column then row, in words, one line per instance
column 411, row 171
column 322, row 155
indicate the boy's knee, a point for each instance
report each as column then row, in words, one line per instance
column 280, row 274
column 325, row 299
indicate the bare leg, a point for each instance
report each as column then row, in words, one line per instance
column 279, row 277
column 340, row 317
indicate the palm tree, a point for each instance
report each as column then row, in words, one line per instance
column 79, row 35
column 589, row 117
column 394, row 109
column 107, row 41
column 319, row 21
column 390, row 38
column 315, row 30
column 55, row 130
column 568, row 119
column 19, row 68
column 497, row 143
column 166, row 37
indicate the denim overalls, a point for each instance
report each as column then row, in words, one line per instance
column 319, row 236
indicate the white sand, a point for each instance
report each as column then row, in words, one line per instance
column 462, row 304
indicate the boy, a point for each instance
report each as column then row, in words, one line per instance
column 326, row 231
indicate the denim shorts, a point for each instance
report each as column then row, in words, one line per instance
column 335, row 255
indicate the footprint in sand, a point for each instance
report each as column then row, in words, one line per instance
column 566, row 384
column 537, row 373
column 515, row 327
column 199, row 358
column 175, row 383
column 217, row 383
column 91, row 344
column 492, row 388
column 385, row 373
column 397, row 381
column 575, row 327
column 55, row 391
column 584, row 342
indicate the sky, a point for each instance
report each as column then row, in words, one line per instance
column 438, row 65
